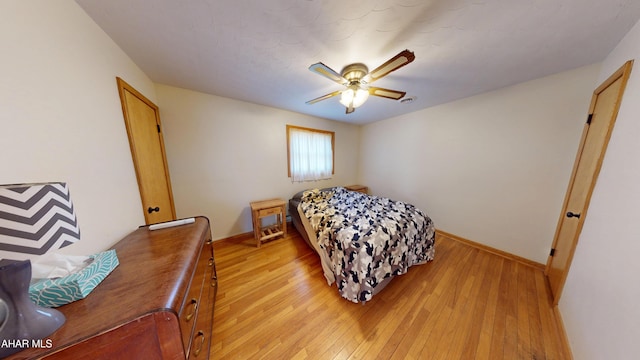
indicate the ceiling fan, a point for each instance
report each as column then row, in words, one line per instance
column 356, row 77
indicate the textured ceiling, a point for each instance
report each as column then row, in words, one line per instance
column 260, row 50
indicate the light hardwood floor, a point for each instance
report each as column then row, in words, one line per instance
column 274, row 303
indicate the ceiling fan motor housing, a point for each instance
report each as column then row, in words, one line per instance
column 355, row 72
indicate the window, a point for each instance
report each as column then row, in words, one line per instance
column 309, row 153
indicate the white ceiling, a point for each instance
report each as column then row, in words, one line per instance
column 260, row 50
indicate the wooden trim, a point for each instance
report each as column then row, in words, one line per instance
column 247, row 235
column 563, row 334
column 624, row 71
column 333, row 146
column 238, row 237
column 310, row 129
column 504, row 254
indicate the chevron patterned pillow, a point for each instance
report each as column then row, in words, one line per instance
column 36, row 219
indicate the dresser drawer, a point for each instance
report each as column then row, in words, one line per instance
column 201, row 342
column 270, row 211
column 194, row 300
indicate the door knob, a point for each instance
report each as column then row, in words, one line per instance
column 150, row 209
column 570, row 214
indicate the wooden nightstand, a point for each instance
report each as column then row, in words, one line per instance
column 264, row 208
column 359, row 188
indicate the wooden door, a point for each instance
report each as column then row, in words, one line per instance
column 595, row 137
column 142, row 119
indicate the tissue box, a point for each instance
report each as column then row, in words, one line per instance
column 60, row 291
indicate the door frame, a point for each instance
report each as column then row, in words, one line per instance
column 623, row 72
column 122, row 87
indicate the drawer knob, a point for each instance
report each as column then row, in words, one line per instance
column 194, row 302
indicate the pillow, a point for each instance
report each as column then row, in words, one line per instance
column 298, row 195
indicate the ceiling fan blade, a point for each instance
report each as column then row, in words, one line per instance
column 329, row 73
column 323, row 97
column 387, row 93
column 396, row 62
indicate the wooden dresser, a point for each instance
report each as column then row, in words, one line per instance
column 157, row 304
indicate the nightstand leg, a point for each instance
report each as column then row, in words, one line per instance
column 284, row 221
column 256, row 228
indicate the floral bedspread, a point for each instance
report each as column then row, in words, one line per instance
column 367, row 238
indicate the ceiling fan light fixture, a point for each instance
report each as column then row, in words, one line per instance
column 354, row 96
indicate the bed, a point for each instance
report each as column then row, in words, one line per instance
column 363, row 241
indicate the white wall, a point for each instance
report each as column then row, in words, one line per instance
column 225, row 153
column 60, row 115
column 492, row 168
column 599, row 304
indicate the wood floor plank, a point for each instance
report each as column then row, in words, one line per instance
column 274, row 303
column 478, row 303
column 511, row 309
column 550, row 335
column 421, row 321
column 535, row 323
column 524, row 338
column 458, row 327
column 483, row 350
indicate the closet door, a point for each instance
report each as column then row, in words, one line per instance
column 142, row 119
column 595, row 138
